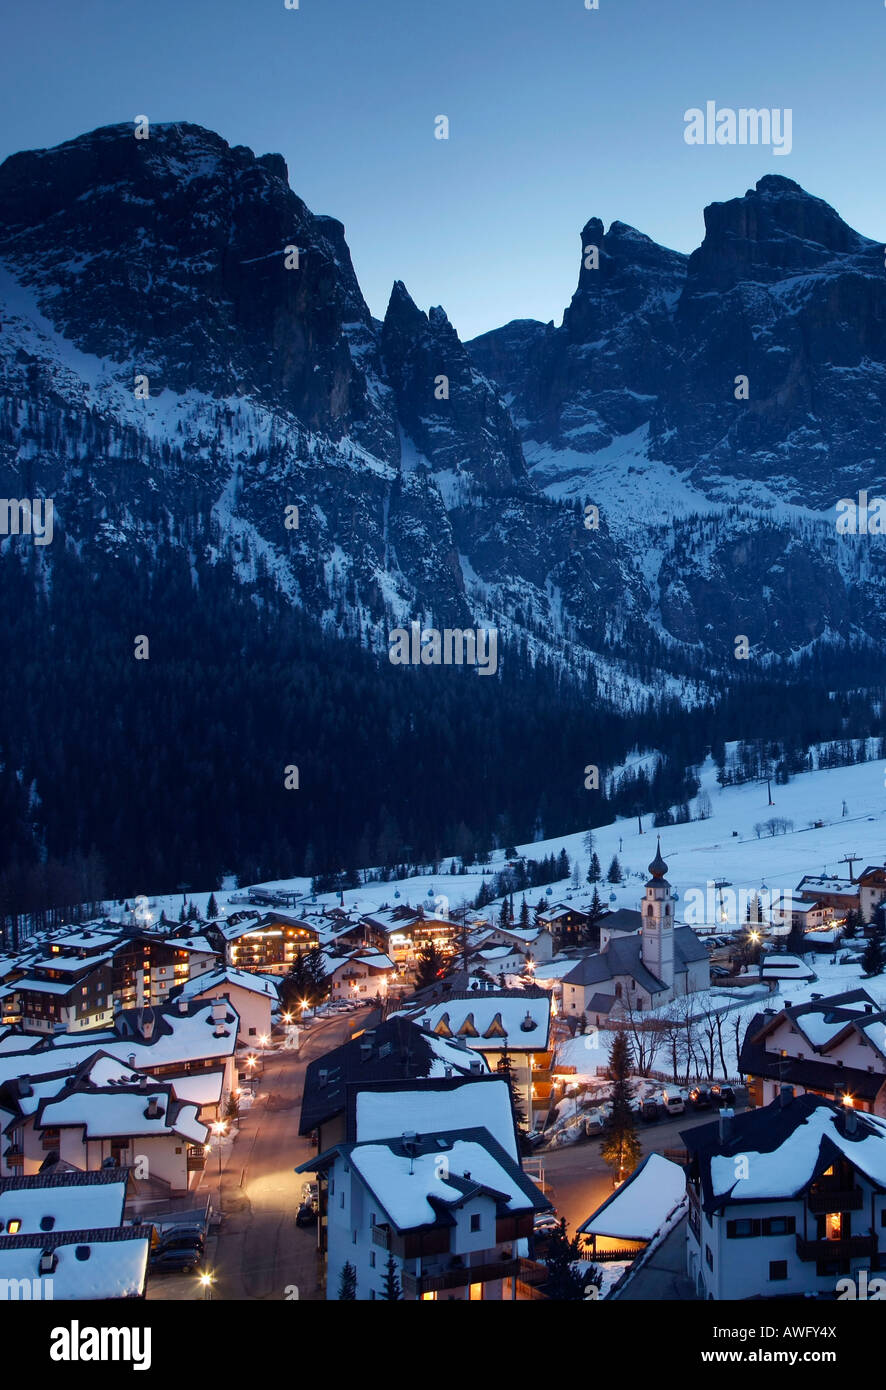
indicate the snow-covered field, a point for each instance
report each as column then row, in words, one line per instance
column 698, row 853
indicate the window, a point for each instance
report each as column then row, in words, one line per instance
column 779, row 1226
column 475, row 1221
column 353, row 1237
column 372, row 1259
column 708, row 1257
column 778, row 1269
column 341, row 1200
column 252, row 1032
column 737, row 1230
column 13, row 1227
column 476, row 1293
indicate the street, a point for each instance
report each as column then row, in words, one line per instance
column 259, row 1252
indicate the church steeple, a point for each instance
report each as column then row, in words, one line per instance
column 658, row 868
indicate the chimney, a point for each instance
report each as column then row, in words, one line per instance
column 365, row 1050
column 850, row 1120
column 131, row 1060
column 219, row 1010
column 869, row 1008
column 153, row 1110
column 323, row 1075
column 726, row 1117
column 182, row 1004
column 785, row 1095
column 476, row 1066
column 148, row 1027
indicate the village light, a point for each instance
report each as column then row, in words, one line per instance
column 849, row 1101
column 264, row 1040
column 206, row 1284
column 287, row 1018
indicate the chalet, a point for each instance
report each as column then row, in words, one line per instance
column 429, row 1177
column 252, row 996
column 785, row 1199
column 567, row 925
column 833, row 1047
column 510, row 1027
column 871, row 890
column 396, row 1050
column 362, row 976
column 268, row 944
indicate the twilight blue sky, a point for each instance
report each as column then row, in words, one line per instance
column 557, row 114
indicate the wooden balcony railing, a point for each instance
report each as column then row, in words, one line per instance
column 849, row 1248
column 837, row 1199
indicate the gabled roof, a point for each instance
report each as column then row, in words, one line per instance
column 786, row 1146
column 388, row 1109
column 115, row 1263
column 396, row 1050
column 522, row 1018
column 637, row 1209
column 420, row 1182
column 69, row 1201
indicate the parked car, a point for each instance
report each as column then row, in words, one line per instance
column 700, row 1097
column 675, row 1102
column 651, row 1111
column 594, row 1124
column 543, row 1227
column 535, row 1137
column 178, row 1239
column 178, row 1261
column 306, row 1214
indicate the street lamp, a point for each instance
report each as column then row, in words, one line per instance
column 206, row 1284
column 219, row 1129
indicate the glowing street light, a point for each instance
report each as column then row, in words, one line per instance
column 219, row 1129
column 206, row 1280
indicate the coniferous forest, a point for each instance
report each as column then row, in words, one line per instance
column 122, row 775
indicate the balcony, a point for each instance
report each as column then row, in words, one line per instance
column 381, row 1235
column 836, row 1199
column 459, row 1277
column 14, row 1157
column 849, row 1248
column 196, row 1160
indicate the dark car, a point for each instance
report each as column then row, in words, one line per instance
column 651, row 1111
column 178, row 1261
column 180, row 1235
column 700, row 1098
column 306, row 1214
column 727, row 1097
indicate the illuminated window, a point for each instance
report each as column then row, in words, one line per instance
column 834, row 1225
column 476, row 1292
column 13, row 1227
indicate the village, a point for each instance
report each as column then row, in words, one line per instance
column 552, row 1095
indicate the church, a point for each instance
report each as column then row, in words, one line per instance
column 645, row 961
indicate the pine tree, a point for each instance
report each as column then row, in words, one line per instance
column 595, row 873
column 391, row 1288
column 347, row 1287
column 614, row 873
column 851, row 924
column 505, row 1069
column 564, row 1282
column 873, row 958
column 524, row 912
column 211, row 908
column 621, row 1148
column 430, row 965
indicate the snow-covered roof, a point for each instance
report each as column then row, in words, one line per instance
column 482, row 1102
column 784, row 967
column 637, row 1209
column 488, row 1021
column 786, row 1146
column 71, row 1202
column 123, row 1112
column 445, row 1167
column 114, row 1266
column 218, row 980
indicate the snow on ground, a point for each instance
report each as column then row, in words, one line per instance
column 698, row 853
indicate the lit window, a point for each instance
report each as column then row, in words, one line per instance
column 13, row 1227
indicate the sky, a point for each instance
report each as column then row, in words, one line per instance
column 557, row 113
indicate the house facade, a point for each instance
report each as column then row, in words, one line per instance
column 785, row 1200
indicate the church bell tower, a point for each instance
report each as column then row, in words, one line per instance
column 658, row 923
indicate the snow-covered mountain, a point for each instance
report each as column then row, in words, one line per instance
column 435, row 480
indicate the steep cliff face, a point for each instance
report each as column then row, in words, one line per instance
column 186, row 356
column 639, row 401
